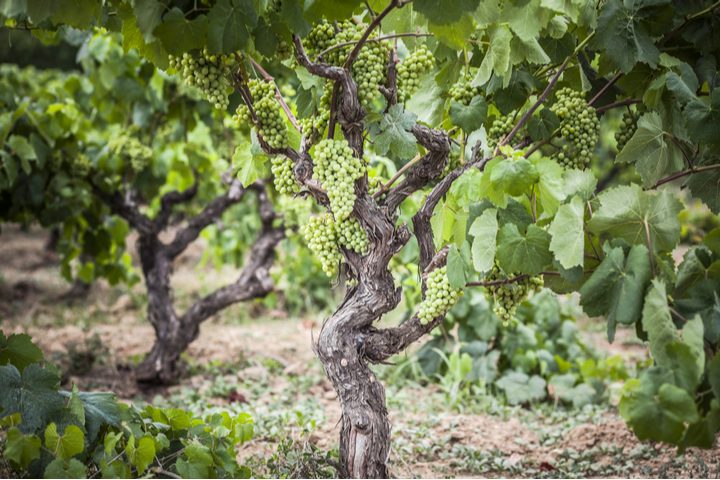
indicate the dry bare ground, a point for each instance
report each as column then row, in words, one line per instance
column 436, row 443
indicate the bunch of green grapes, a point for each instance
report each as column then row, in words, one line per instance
column 369, row 71
column 210, row 73
column 453, row 160
column 627, row 129
column 462, row 92
column 321, row 236
column 283, row 176
column 242, row 116
column 271, row 124
column 337, row 170
column 579, row 128
column 439, row 296
column 500, row 127
column 320, row 38
column 316, row 124
column 352, row 236
column 409, row 71
column 130, row 149
column 507, row 296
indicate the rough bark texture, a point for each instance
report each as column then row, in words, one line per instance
column 174, row 331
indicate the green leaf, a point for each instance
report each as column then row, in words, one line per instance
column 67, row 445
column 542, row 125
column 623, row 32
column 456, row 268
column 250, row 167
column 60, row 468
column 148, row 14
column 706, row 187
column 229, row 25
column 450, row 12
column 454, row 35
column 392, row 136
column 652, row 150
column 703, row 118
column 76, row 407
column 550, row 188
column 33, row 394
column 639, row 217
column 179, row 35
column 617, row 287
column 580, row 182
column 484, row 230
column 19, row 350
column 656, row 410
column 21, row 449
column 526, row 18
column 568, row 236
column 196, row 462
column 563, row 387
column 514, row 177
column 469, row 117
column 523, row 254
column 101, row 409
column 703, row 433
column 658, row 324
column 142, row 454
column 497, row 58
column 519, row 388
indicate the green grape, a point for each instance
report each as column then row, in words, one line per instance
column 439, row 296
column 270, row 124
column 500, row 127
column 507, row 296
column 321, row 236
column 283, row 176
column 320, row 38
column 210, row 73
column 337, row 170
column 579, row 127
column 462, row 92
column 453, row 160
column 409, row 71
column 627, row 129
column 352, row 236
column 130, row 150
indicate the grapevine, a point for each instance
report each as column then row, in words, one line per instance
column 579, row 127
column 439, row 296
column 321, row 237
column 337, row 169
column 210, row 73
column 627, row 129
column 283, row 176
column 507, row 296
column 411, row 69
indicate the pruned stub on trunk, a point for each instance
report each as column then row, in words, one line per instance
column 175, row 331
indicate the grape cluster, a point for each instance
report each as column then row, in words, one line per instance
column 130, row 149
column 210, row 73
column 500, row 127
column 411, row 69
column 369, row 71
column 271, row 124
column 462, row 92
column 322, row 239
column 579, row 127
column 337, row 169
column 352, row 236
column 507, row 296
column 283, row 176
column 439, row 296
column 627, row 129
column 321, row 37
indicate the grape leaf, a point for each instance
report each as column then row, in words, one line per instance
column 580, row 182
column 469, row 117
column 250, row 167
column 514, row 177
column 140, row 454
column 229, row 25
column 703, row 118
column 21, row 449
column 706, row 187
column 391, row 133
column 100, row 409
column 617, row 287
column 520, row 388
column 67, row 445
column 658, row 324
column 568, row 236
column 638, row 217
column 652, row 150
column 149, row 15
column 497, row 58
column 454, row 35
column 523, row 254
column 60, row 468
column 456, row 268
column 623, row 32
column 484, row 230
column 542, row 125
column 179, row 35
column 19, row 350
column 448, row 12
column 550, row 188
column 33, row 394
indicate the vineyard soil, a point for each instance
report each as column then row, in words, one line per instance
column 264, row 363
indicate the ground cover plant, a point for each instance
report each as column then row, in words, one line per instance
column 429, row 154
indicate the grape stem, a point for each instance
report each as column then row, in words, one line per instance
column 684, row 173
column 366, row 34
column 605, row 88
column 505, row 281
column 269, row 78
column 619, row 103
column 384, row 188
